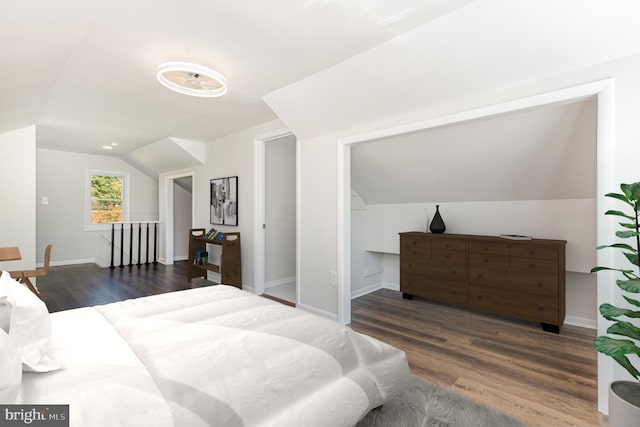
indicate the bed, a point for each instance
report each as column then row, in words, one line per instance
column 212, row 356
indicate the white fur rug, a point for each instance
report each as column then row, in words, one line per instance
column 426, row 405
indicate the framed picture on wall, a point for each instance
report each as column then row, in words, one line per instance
column 224, row 201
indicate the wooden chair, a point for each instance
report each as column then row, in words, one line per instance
column 23, row 276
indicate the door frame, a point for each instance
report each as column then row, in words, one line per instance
column 259, row 209
column 166, row 217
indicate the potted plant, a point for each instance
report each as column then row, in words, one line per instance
column 624, row 396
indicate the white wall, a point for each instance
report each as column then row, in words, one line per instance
column 18, row 214
column 280, row 209
column 318, row 211
column 61, row 177
column 182, row 215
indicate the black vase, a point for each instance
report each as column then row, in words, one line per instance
column 437, row 224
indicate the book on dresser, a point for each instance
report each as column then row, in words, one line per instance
column 523, row 278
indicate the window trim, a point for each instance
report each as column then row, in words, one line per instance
column 88, row 226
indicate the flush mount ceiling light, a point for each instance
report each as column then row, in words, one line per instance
column 192, row 79
column 110, row 146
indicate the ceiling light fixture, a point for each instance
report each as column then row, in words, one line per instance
column 192, row 79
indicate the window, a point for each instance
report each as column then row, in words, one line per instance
column 107, row 199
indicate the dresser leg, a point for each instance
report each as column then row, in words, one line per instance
column 550, row 328
column 406, row 296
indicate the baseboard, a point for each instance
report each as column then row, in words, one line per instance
column 319, row 312
column 68, row 262
column 375, row 287
column 181, row 258
column 581, row 321
column 364, row 291
column 279, row 282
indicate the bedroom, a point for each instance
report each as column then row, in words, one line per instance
column 603, row 44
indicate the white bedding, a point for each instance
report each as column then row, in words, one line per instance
column 214, row 356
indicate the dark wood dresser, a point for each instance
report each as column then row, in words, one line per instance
column 520, row 278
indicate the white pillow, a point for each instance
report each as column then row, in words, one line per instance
column 10, row 370
column 29, row 325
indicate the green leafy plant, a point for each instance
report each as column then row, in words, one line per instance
column 618, row 349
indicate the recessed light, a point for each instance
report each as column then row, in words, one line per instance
column 114, row 144
column 192, row 79
column 107, row 147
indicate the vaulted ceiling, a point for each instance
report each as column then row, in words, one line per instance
column 84, row 71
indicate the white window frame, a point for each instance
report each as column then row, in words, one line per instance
column 88, row 226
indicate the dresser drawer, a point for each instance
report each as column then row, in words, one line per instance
column 415, row 244
column 452, row 271
column 433, row 288
column 448, row 245
column 487, row 275
column 538, row 283
column 533, row 251
column 513, row 303
column 489, row 260
column 543, row 283
column 415, row 264
column 449, row 255
column 532, row 264
column 456, row 271
column 496, row 248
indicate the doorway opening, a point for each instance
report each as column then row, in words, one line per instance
column 182, row 216
column 276, row 233
column 176, row 216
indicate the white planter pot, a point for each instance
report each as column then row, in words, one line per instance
column 624, row 404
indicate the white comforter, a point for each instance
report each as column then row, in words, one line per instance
column 214, row 356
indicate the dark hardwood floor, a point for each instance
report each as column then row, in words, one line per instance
column 541, row 378
column 74, row 286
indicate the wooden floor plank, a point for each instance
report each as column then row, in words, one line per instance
column 541, row 378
